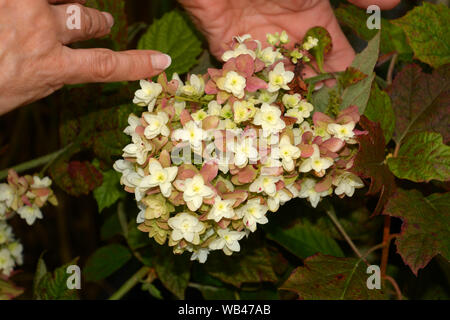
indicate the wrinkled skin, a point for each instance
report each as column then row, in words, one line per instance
column 220, row 20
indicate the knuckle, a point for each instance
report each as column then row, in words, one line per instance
column 88, row 23
column 104, row 65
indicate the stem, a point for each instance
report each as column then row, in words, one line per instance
column 34, row 163
column 330, row 212
column 386, row 242
column 189, row 100
column 396, row 287
column 127, row 286
column 391, row 69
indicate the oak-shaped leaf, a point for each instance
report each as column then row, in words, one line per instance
column 370, row 162
column 428, row 33
column 330, row 278
column 426, row 226
column 109, row 191
column 421, row 101
column 422, row 157
column 379, row 109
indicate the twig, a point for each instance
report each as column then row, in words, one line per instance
column 395, row 285
column 386, row 241
column 391, row 69
column 127, row 286
column 330, row 212
column 34, row 163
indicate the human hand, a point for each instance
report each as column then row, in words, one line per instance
column 34, row 61
column 223, row 19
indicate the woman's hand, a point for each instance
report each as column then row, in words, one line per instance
column 220, row 20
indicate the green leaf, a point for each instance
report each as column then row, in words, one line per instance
column 358, row 94
column 174, row 35
column 109, row 192
column 8, row 290
column 249, row 266
column 324, row 46
column 425, row 230
column 53, row 285
column 379, row 109
column 421, row 101
column 119, row 32
column 152, row 290
column 330, row 278
column 370, row 162
column 304, row 240
column 422, row 157
column 172, row 270
column 393, row 38
column 41, row 270
column 105, row 261
column 110, row 227
column 428, row 33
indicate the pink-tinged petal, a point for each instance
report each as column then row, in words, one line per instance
column 230, row 65
column 139, row 130
column 359, row 132
column 215, row 73
column 348, row 115
column 170, row 110
column 307, row 137
column 176, row 198
column 272, row 171
column 222, row 97
column 289, row 120
column 25, row 200
column 41, row 192
column 162, row 80
column 247, row 174
column 251, row 44
column 211, row 122
column 13, row 177
column 255, row 83
column 209, row 171
column 280, row 185
column 324, row 185
column 317, row 140
column 259, row 65
column 307, row 150
column 211, row 87
column 333, row 144
column 203, row 217
column 185, row 117
column 224, row 223
column 164, row 159
column 245, row 65
column 154, row 190
column 222, row 187
column 220, row 140
column 128, row 189
column 238, row 195
column 320, row 117
column 210, row 201
column 186, row 174
column 179, row 184
column 172, row 87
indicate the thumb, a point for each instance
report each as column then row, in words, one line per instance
column 102, row 65
column 383, row 4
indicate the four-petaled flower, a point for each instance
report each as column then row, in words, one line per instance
column 186, row 226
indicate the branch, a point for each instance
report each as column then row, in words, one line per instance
column 127, row 286
column 391, row 69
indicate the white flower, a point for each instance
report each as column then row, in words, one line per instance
column 272, row 39
column 347, row 183
column 124, row 167
column 30, row 214
column 194, row 87
column 243, row 110
column 315, row 162
column 265, row 184
column 3, row 209
column 307, row 191
column 240, row 49
column 192, row 134
column 267, row 97
column 344, row 131
column 133, row 123
column 227, row 241
column 6, row 262
column 298, row 132
column 233, row 83
column 244, row 152
column 221, row 209
column 147, row 95
column 156, row 125
column 6, row 194
column 280, row 198
column 214, row 108
column 269, row 118
column 310, row 43
column 141, row 214
column 6, row 234
column 159, row 177
column 293, row 189
column 288, row 153
column 291, row 100
column 16, row 249
column 194, row 190
column 139, row 149
column 199, row 116
column 252, row 213
column 242, row 38
column 279, row 78
column 186, row 226
column 41, row 183
column 201, row 255
column 269, row 56
column 284, row 38
column 133, row 179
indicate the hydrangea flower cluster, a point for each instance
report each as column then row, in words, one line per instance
column 26, row 196
column 10, row 250
column 210, row 157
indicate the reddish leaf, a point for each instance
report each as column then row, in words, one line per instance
column 370, row 162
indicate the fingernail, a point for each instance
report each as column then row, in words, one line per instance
column 161, row 61
column 318, row 86
column 109, row 19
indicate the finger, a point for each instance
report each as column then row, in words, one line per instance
column 102, row 65
column 92, row 23
column 66, row 1
column 383, row 4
